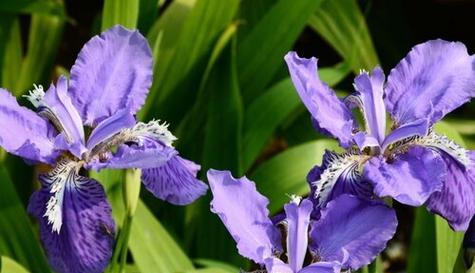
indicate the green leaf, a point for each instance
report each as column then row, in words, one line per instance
column 176, row 83
column 43, row 43
column 286, row 173
column 123, row 12
column 262, row 51
column 193, row 123
column 8, row 265
column 10, row 50
column 342, row 25
column 222, row 150
column 17, row 239
column 48, row 7
column 448, row 243
column 216, row 264
column 152, row 247
column 270, row 109
column 209, row 270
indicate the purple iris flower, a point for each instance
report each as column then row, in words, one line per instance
column 349, row 233
column 109, row 83
column 412, row 163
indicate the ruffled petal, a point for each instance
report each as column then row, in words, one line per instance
column 350, row 225
column 410, row 177
column 150, row 154
column 84, row 241
column 58, row 108
column 435, row 78
column 455, row 202
column 23, row 132
column 330, row 115
column 297, row 220
column 175, row 181
column 244, row 213
column 370, row 89
column 113, row 71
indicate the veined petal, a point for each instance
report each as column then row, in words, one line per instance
column 339, row 174
column 297, row 220
column 23, row 132
column 370, row 90
column 84, row 241
column 407, row 133
column 455, row 202
column 435, row 78
column 175, row 181
column 330, row 115
column 244, row 213
column 145, row 145
column 352, row 225
column 109, row 127
column 410, row 178
column 113, row 71
column 150, row 154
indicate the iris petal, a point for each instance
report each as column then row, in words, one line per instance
column 435, row 78
column 244, row 213
column 113, row 71
column 350, row 225
column 410, row 178
column 175, row 181
column 330, row 115
column 455, row 201
column 23, row 132
column 84, row 242
column 298, row 220
column 370, row 89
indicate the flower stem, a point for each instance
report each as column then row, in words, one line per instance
column 131, row 191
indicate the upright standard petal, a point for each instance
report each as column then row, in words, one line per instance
column 352, row 225
column 244, row 213
column 84, row 241
column 330, row 114
column 455, row 202
column 63, row 114
column 175, row 181
column 297, row 220
column 432, row 80
column 370, row 89
column 410, row 177
column 23, row 132
column 113, row 71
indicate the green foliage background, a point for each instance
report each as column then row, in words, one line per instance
column 220, row 80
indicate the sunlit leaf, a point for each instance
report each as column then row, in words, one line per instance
column 342, row 25
column 8, row 265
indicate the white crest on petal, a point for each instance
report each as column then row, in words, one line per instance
column 36, row 96
column 153, row 129
column 337, row 165
column 445, row 144
column 63, row 175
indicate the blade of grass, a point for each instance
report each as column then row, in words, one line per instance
column 342, row 25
